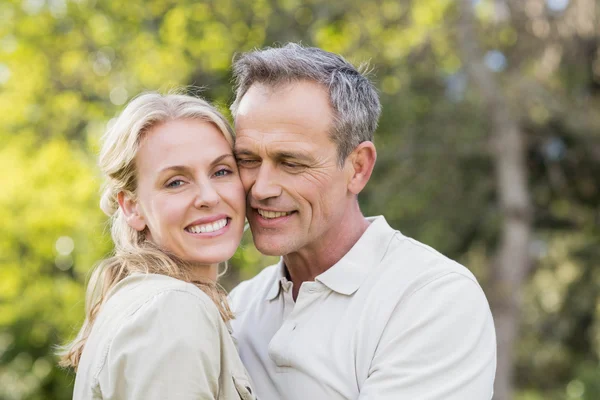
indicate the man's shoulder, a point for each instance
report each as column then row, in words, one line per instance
column 417, row 263
column 404, row 257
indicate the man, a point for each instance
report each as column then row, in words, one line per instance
column 354, row 309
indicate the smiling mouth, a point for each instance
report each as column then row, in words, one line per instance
column 209, row 227
column 272, row 214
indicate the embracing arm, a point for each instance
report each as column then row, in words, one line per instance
column 170, row 348
column 439, row 344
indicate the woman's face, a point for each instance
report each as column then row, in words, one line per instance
column 189, row 193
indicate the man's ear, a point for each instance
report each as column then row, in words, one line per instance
column 362, row 161
column 130, row 209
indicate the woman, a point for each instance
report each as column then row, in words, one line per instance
column 156, row 321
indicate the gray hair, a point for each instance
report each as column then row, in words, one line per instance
column 352, row 96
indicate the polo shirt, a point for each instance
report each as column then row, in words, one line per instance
column 393, row 319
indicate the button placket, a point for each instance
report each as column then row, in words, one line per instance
column 279, row 349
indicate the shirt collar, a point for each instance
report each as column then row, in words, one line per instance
column 346, row 276
column 278, row 277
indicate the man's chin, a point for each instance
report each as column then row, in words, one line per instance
column 270, row 251
column 269, row 247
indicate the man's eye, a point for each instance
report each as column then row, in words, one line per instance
column 246, row 162
column 291, row 165
column 175, row 183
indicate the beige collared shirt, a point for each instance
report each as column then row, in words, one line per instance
column 392, row 320
column 160, row 338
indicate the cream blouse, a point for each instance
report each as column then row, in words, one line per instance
column 160, row 338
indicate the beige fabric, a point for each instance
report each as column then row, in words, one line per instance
column 392, row 320
column 160, row 338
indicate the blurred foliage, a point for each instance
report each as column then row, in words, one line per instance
column 67, row 68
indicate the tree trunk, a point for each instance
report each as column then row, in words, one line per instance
column 512, row 261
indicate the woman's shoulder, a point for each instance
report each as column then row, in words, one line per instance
column 170, row 327
column 176, row 305
column 171, row 318
column 141, row 288
column 147, row 299
column 142, row 300
column 146, row 283
column 151, row 293
column 150, row 312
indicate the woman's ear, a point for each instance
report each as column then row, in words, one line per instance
column 362, row 161
column 131, row 211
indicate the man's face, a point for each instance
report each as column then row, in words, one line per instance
column 296, row 192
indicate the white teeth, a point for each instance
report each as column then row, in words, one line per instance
column 272, row 214
column 210, row 227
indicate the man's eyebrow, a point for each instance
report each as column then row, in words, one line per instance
column 243, row 152
column 292, row 155
column 279, row 155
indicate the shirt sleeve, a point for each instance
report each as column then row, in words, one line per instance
column 439, row 344
column 170, row 348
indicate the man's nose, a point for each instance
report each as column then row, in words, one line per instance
column 267, row 183
column 207, row 196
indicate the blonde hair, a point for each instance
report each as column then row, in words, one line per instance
column 132, row 252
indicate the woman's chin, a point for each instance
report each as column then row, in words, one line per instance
column 207, row 260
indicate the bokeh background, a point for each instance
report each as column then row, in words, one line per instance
column 489, row 150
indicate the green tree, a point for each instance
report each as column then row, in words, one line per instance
column 66, row 69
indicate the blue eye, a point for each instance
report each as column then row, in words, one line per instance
column 175, row 183
column 222, row 172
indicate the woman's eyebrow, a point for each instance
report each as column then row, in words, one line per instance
column 174, row 168
column 221, row 158
column 185, row 169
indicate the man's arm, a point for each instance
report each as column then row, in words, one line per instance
column 439, row 344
